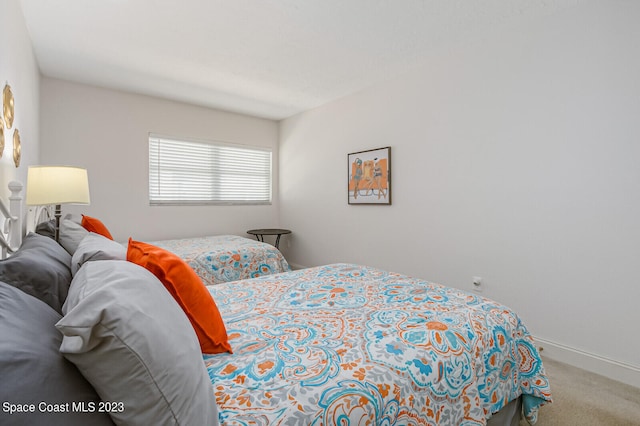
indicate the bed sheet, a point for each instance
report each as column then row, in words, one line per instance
column 223, row 258
column 346, row 344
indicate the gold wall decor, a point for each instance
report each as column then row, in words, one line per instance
column 1, row 137
column 16, row 147
column 7, row 101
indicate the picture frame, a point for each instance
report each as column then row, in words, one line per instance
column 369, row 176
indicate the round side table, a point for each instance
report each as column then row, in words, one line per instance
column 260, row 233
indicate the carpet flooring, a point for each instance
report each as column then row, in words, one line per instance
column 583, row 398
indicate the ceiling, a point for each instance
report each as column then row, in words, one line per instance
column 267, row 58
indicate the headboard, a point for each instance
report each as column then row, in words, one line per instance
column 11, row 220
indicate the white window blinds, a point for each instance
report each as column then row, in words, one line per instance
column 197, row 172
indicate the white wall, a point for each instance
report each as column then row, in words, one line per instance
column 107, row 132
column 18, row 67
column 514, row 158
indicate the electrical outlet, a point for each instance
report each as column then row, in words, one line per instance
column 477, row 284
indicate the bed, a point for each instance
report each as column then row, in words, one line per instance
column 216, row 259
column 224, row 258
column 337, row 342
column 107, row 338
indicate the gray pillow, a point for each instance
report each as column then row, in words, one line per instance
column 96, row 247
column 40, row 268
column 71, row 234
column 33, row 370
column 135, row 345
column 48, row 228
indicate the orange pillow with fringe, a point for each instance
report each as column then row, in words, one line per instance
column 187, row 289
column 92, row 224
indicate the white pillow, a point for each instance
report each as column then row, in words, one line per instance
column 96, row 247
column 71, row 234
column 133, row 343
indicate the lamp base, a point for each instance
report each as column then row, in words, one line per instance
column 57, row 213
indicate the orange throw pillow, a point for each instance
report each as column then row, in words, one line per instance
column 188, row 290
column 92, row 224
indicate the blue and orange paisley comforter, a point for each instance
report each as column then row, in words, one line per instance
column 223, row 258
column 346, row 344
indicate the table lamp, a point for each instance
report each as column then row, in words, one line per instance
column 57, row 185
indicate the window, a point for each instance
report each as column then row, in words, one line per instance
column 200, row 172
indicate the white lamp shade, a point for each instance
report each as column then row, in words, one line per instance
column 57, row 185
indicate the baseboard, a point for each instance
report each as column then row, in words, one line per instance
column 622, row 372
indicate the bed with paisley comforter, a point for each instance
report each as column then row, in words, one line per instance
column 223, row 258
column 347, row 344
column 335, row 344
